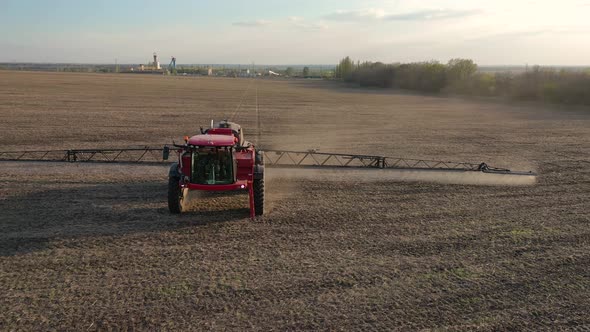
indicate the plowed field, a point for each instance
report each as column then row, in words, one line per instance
column 93, row 247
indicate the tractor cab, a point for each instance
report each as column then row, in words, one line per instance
column 209, row 159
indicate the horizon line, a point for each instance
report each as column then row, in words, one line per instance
column 262, row 65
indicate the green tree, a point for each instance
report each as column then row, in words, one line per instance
column 289, row 71
column 345, row 69
column 305, row 71
column 461, row 69
column 461, row 75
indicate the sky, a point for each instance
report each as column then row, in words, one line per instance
column 491, row 32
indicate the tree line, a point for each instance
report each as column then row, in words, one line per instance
column 461, row 76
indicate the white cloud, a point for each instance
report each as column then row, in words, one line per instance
column 252, row 24
column 357, row 15
column 432, row 14
column 290, row 22
column 382, row 15
column 310, row 26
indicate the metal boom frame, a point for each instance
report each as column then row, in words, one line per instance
column 273, row 158
column 123, row 155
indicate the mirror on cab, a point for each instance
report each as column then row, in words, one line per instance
column 166, row 153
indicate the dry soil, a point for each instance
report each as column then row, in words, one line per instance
column 93, row 247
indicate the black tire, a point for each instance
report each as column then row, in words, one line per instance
column 174, row 195
column 258, row 188
column 259, row 157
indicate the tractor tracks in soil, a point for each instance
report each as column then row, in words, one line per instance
column 241, row 112
column 236, row 113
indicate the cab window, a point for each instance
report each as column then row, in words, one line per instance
column 213, row 165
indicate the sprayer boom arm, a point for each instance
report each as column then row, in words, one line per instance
column 273, row 158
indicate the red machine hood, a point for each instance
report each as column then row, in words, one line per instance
column 212, row 140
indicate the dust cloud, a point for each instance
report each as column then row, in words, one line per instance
column 374, row 175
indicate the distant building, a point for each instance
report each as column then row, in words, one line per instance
column 156, row 63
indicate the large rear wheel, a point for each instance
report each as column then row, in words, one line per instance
column 175, row 196
column 258, row 187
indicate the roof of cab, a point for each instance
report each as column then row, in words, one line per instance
column 212, row 140
column 227, row 124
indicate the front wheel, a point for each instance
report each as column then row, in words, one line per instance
column 258, row 187
column 175, row 197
